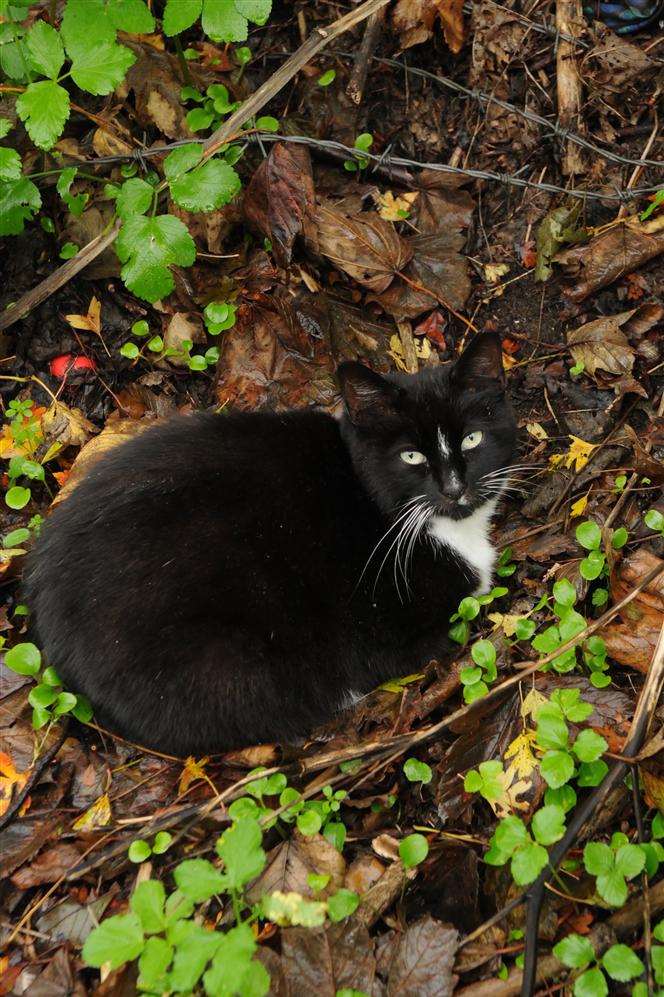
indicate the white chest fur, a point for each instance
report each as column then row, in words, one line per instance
column 469, row 539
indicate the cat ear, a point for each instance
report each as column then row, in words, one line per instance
column 481, row 359
column 369, row 397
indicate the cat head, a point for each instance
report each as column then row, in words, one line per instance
column 443, row 436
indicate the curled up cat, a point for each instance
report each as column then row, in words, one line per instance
column 226, row 579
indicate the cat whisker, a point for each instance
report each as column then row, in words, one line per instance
column 403, row 531
column 404, row 511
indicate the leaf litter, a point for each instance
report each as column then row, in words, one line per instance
column 321, row 264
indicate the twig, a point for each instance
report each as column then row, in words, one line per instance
column 569, row 19
column 648, row 700
column 358, row 76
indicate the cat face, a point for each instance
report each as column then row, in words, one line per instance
column 441, row 438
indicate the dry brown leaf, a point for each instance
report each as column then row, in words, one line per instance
column 183, row 326
column 632, row 639
column 603, row 343
column 90, row 322
column 363, row 245
column 414, row 20
column 280, row 200
column 291, row 862
column 98, row 815
column 437, row 274
column 611, row 255
column 67, row 426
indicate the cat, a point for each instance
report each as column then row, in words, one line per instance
column 228, row 579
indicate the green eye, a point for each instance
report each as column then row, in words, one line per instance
column 413, row 457
column 472, row 440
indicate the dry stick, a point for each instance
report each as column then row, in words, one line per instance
column 318, row 40
column 358, row 76
column 58, row 278
column 569, row 19
column 622, row 924
column 648, row 700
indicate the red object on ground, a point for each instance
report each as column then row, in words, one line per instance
column 67, row 362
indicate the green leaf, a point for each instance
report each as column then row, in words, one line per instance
column 413, row 850
column 597, row 858
column 483, row 653
column 592, row 773
column 51, row 677
column 147, row 247
column 654, row 520
column 17, row 497
column 267, row 124
column 207, row 187
column 622, row 963
column 564, row 592
column 589, row 535
column 240, row 849
column 180, row 15
column 198, row 879
column 5, row 127
column 591, row 567
column 198, row 119
column 194, row 947
column 117, row 940
column 223, row 22
column 469, row 608
column 43, row 108
column 475, row 691
column 657, row 957
column 177, row 907
column 65, row 703
column 328, row 77
column 42, row 696
column 528, row 862
column 139, row 851
column 548, row 824
column 619, row 538
column 547, row 641
column 45, row 49
column 657, row 829
column 129, row 350
column 135, row 198
column 309, row 823
column 552, row 731
column 416, row 771
column 557, row 768
column 100, row 70
column 257, row 11
column 612, row 887
column 342, row 904
column 630, row 861
column 574, row 951
column 469, row 676
column 40, row 717
column 161, row 842
column 85, row 27
column 83, row 709
column 130, row 15
column 592, row 983
column 658, row 932
column 10, row 164
column 589, row 746
column 233, row 971
column 182, row 159
column 68, row 251
column 24, row 659
column 148, row 901
column 524, row 628
column 510, row 834
column 19, row 199
column 153, row 965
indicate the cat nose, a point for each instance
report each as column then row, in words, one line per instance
column 453, row 487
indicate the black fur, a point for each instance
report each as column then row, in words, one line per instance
column 206, row 585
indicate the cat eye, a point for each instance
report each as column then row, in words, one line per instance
column 472, row 440
column 413, row 457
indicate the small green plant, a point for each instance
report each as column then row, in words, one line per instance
column 512, row 842
column 654, row 520
column 619, row 963
column 328, row 77
column 505, row 567
column 413, row 850
column 476, row 680
column 141, row 850
column 488, row 780
column 589, row 535
column 362, row 143
column 613, row 865
column 657, row 200
column 48, row 699
column 416, row 771
column 560, row 759
column 468, row 610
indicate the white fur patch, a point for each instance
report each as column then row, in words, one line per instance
column 443, row 444
column 469, row 539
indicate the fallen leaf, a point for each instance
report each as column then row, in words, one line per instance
column 558, row 228
column 579, row 507
column 442, row 204
column 192, row 771
column 632, row 639
column 98, row 815
column 494, row 271
column 578, row 454
column 414, row 21
column 395, row 209
column 290, row 863
column 602, row 344
column 183, row 327
column 537, row 430
column 612, row 254
column 66, row 426
column 423, row 963
column 90, row 322
column 396, row 351
column 437, row 274
column 363, row 245
column 324, row 960
column 280, row 200
column 72, row 922
column 49, row 866
column 11, row 781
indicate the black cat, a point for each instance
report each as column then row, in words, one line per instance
column 222, row 580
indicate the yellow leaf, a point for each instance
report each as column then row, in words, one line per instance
column 521, row 751
column 395, row 209
column 97, row 815
column 397, row 685
column 90, row 322
column 494, row 271
column 192, row 772
column 579, row 507
column 538, row 431
column 422, row 351
column 578, row 454
column 507, row 621
column 532, row 703
column 11, row 782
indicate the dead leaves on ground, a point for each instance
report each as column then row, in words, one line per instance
column 415, row 21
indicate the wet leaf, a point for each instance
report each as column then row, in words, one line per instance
column 362, row 245
column 98, row 815
column 280, row 200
